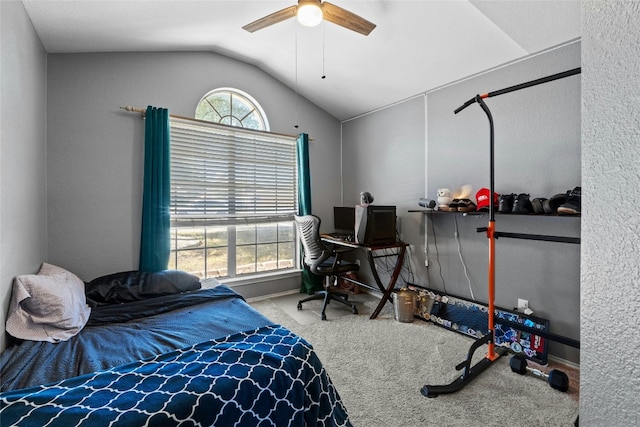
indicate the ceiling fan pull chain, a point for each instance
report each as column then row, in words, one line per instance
column 323, row 51
column 295, row 117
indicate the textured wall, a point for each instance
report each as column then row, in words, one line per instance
column 610, row 312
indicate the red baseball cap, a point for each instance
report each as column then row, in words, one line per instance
column 482, row 199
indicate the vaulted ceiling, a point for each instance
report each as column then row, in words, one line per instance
column 416, row 46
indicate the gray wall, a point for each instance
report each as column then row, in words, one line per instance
column 95, row 149
column 610, row 366
column 537, row 152
column 384, row 153
column 23, row 210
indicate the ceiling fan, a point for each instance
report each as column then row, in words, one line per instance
column 311, row 13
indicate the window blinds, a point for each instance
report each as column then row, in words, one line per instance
column 227, row 175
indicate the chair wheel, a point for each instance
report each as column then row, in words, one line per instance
column 324, row 316
column 299, row 306
column 354, row 310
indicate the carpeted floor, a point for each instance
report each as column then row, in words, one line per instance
column 380, row 365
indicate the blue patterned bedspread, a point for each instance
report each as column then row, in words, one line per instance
column 266, row 377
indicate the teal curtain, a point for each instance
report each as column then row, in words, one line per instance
column 309, row 282
column 304, row 175
column 155, row 240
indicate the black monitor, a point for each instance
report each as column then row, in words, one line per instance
column 375, row 225
column 344, row 219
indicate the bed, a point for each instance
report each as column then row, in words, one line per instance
column 157, row 349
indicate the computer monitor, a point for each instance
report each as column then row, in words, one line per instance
column 344, row 218
column 375, row 225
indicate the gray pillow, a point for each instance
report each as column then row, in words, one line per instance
column 48, row 306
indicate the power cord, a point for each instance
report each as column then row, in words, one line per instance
column 410, row 278
column 435, row 245
column 464, row 266
column 385, row 265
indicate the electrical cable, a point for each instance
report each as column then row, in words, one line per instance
column 464, row 266
column 406, row 266
column 435, row 245
column 385, row 266
column 427, row 221
column 410, row 278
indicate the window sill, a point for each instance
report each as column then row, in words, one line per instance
column 260, row 278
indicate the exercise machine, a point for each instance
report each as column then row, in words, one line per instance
column 469, row 372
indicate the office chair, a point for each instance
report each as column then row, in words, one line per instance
column 323, row 260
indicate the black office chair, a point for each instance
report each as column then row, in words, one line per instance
column 323, row 260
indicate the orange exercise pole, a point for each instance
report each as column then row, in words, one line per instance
column 491, row 230
column 469, row 372
column 491, row 353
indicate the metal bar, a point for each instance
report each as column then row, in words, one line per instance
column 546, row 238
column 533, row 82
column 143, row 112
column 469, row 374
column 518, row 87
column 560, row 239
column 548, row 335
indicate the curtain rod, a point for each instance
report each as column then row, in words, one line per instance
column 143, row 112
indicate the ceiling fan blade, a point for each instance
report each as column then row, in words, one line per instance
column 346, row 19
column 274, row 18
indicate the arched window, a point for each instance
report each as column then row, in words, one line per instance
column 232, row 107
column 233, row 191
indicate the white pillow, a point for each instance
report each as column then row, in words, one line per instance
column 48, row 306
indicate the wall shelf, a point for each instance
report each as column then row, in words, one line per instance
column 475, row 213
column 524, row 236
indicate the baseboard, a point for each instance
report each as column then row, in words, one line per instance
column 275, row 295
column 371, row 292
column 565, row 362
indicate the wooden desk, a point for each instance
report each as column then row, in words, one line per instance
column 400, row 248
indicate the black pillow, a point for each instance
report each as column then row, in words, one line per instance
column 128, row 286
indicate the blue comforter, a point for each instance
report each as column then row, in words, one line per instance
column 167, row 361
column 267, row 377
column 122, row 333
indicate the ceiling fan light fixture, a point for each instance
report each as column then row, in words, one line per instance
column 309, row 13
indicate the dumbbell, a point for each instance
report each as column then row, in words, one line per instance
column 556, row 379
